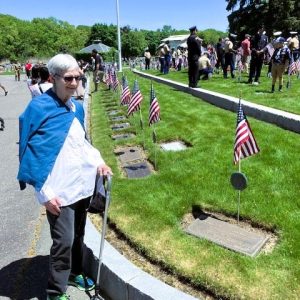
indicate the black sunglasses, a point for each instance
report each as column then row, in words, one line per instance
column 70, row 78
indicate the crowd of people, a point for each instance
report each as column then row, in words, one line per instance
column 229, row 55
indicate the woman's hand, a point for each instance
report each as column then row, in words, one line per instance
column 53, row 206
column 104, row 170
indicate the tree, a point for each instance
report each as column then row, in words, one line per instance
column 252, row 13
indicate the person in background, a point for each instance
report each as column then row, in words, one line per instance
column 293, row 45
column 205, row 68
column 60, row 163
column 17, row 70
column 246, row 52
column 161, row 56
column 168, row 57
column 4, row 89
column 258, row 48
column 28, row 67
column 147, row 56
column 229, row 57
column 280, row 61
column 194, row 52
column 44, row 83
column 98, row 71
column 220, row 55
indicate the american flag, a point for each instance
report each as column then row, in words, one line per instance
column 136, row 99
column 297, row 63
column 154, row 111
column 108, row 77
column 126, row 95
column 292, row 67
column 115, row 80
column 245, row 144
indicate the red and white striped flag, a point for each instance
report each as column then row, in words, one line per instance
column 126, row 95
column 154, row 111
column 245, row 144
column 136, row 99
column 115, row 80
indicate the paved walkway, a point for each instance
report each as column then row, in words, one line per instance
column 24, row 232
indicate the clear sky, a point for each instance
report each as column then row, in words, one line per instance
column 180, row 14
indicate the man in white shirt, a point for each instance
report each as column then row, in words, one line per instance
column 57, row 159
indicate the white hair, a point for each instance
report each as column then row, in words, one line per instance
column 60, row 63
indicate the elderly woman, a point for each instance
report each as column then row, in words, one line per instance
column 61, row 165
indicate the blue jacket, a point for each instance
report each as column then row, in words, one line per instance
column 44, row 126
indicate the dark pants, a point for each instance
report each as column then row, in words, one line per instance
column 162, row 64
column 205, row 72
column 66, row 253
column 193, row 73
column 229, row 61
column 147, row 63
column 255, row 67
column 167, row 63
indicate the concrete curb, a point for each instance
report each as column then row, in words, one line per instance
column 278, row 117
column 119, row 278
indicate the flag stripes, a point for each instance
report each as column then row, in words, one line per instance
column 126, row 95
column 154, row 111
column 245, row 144
column 136, row 99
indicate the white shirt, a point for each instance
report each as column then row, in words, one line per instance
column 73, row 175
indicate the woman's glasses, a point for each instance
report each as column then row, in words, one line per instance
column 69, row 78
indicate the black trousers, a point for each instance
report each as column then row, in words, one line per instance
column 256, row 64
column 66, row 253
column 193, row 73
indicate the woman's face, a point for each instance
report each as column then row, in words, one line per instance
column 66, row 84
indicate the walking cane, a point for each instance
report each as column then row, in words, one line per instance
column 104, row 223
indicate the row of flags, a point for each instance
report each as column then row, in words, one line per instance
column 245, row 144
column 134, row 99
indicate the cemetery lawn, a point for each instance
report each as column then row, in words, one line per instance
column 288, row 100
column 150, row 210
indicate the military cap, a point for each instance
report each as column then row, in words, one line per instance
column 193, row 28
column 293, row 32
column 277, row 33
column 280, row 40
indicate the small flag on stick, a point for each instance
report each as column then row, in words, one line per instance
column 245, row 144
column 115, row 80
column 136, row 99
column 126, row 95
column 154, row 111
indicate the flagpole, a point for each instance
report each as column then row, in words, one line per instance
column 142, row 127
column 154, row 141
column 239, row 192
column 119, row 37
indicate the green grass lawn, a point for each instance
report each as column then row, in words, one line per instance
column 149, row 210
column 288, row 100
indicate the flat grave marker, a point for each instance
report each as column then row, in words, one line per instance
column 227, row 235
column 137, row 170
column 114, row 112
column 120, row 126
column 129, row 154
column 118, row 118
column 173, row 146
column 122, row 136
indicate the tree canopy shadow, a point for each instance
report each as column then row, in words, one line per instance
column 25, row 278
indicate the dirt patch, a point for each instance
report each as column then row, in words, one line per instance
column 119, row 242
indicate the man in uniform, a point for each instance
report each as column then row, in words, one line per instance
column 194, row 52
column 258, row 47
